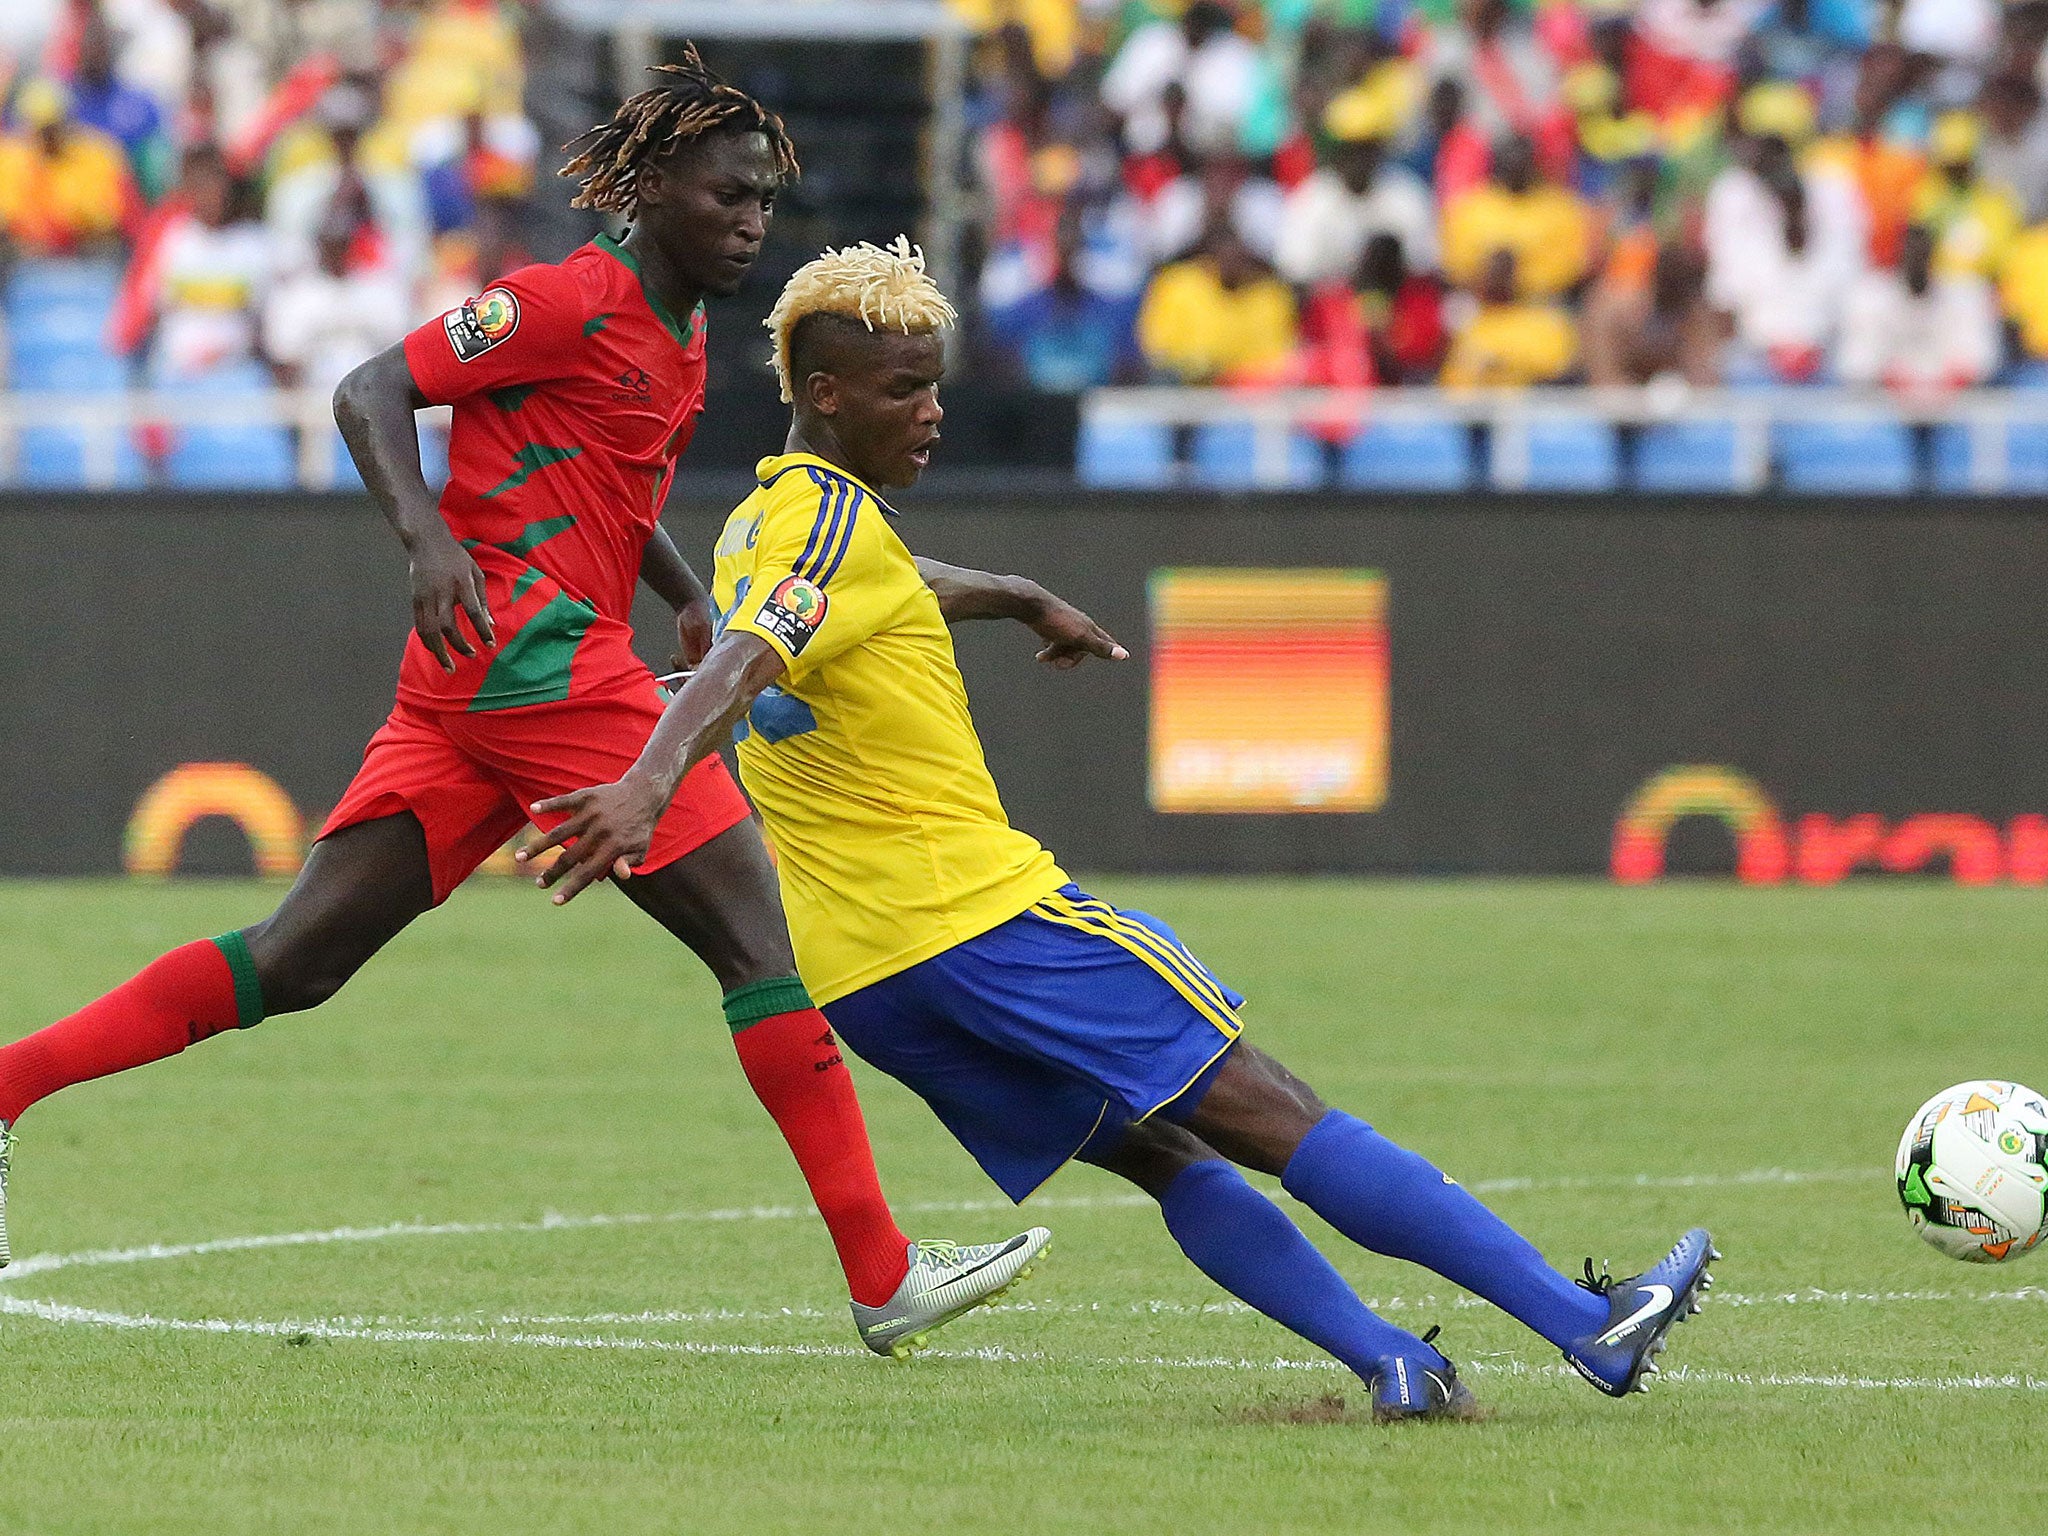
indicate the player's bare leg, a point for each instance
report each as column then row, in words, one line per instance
column 722, row 901
column 358, row 889
column 1390, row 1200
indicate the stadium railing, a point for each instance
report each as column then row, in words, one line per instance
column 1976, row 442
column 272, row 439
column 1983, row 442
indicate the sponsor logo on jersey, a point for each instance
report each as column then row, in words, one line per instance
column 636, row 387
column 486, row 320
column 793, row 612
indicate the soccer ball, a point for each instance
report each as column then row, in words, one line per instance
column 1973, row 1171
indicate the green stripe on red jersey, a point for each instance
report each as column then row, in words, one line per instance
column 533, row 667
column 531, row 459
column 511, row 397
column 531, row 537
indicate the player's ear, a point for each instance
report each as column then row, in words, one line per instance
column 650, row 185
column 822, row 391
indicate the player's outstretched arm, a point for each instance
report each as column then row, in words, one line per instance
column 669, row 577
column 374, row 408
column 1070, row 635
column 613, row 824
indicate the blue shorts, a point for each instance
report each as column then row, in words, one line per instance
column 1048, row 1034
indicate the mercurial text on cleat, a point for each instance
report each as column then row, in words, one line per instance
column 6, row 1142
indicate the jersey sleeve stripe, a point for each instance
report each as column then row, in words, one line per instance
column 838, row 496
column 845, row 541
column 827, row 508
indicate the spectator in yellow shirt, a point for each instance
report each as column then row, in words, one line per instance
column 1218, row 317
column 1544, row 225
column 65, row 189
column 1511, row 342
column 2023, row 292
column 1973, row 221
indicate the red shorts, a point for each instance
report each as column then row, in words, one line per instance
column 469, row 778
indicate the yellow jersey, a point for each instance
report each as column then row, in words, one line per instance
column 890, row 837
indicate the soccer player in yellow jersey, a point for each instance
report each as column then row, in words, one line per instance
column 947, row 948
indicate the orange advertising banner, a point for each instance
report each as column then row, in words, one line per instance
column 1269, row 690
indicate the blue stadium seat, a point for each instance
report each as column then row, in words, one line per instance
column 346, row 476
column 434, row 457
column 2026, row 457
column 1410, row 455
column 54, row 458
column 1574, row 453
column 1127, row 455
column 1873, row 456
column 56, row 309
column 63, row 371
column 1687, row 456
column 38, row 285
column 252, row 456
column 1224, row 456
column 1952, row 459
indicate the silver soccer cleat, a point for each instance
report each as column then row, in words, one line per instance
column 945, row 1280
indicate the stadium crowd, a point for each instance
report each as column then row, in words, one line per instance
column 213, row 196
column 1501, row 192
column 270, row 190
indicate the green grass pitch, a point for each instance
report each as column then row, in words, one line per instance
column 1608, row 1066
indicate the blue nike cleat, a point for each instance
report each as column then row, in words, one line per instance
column 1641, row 1310
column 1403, row 1388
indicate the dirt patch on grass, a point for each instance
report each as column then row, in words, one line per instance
column 1327, row 1409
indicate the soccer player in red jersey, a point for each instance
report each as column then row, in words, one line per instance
column 574, row 389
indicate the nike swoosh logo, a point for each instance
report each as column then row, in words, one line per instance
column 1660, row 1298
column 969, row 1274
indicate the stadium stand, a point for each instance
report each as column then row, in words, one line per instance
column 1788, row 201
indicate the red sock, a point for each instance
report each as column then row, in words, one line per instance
column 185, row 997
column 797, row 1073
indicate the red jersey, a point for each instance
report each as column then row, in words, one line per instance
column 575, row 389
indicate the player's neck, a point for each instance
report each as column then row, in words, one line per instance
column 659, row 274
column 817, row 438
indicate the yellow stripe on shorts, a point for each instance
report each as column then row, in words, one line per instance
column 1202, row 998
column 1190, row 969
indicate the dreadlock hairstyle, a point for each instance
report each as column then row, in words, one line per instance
column 686, row 103
column 878, row 286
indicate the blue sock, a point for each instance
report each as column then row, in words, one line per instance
column 1386, row 1198
column 1246, row 1244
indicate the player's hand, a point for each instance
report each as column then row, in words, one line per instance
column 445, row 581
column 694, row 630
column 611, row 825
column 1070, row 636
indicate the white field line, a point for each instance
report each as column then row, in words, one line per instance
column 43, row 1263
column 518, row 1329
column 1811, row 1296
column 57, row 1312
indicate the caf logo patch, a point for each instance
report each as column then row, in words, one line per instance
column 486, row 320
column 805, row 602
column 793, row 612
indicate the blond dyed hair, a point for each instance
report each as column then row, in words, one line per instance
column 883, row 287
